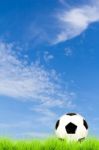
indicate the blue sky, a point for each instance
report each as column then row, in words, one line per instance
column 49, row 65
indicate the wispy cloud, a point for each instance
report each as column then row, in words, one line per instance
column 26, row 124
column 76, row 20
column 48, row 56
column 32, row 83
column 68, row 52
column 29, row 82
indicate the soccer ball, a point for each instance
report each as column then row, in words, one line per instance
column 71, row 126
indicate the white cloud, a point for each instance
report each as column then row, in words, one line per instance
column 47, row 116
column 32, row 83
column 4, row 125
column 48, row 56
column 68, row 51
column 29, row 82
column 76, row 20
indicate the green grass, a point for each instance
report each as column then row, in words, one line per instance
column 48, row 144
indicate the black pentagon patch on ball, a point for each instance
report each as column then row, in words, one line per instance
column 71, row 128
column 85, row 124
column 71, row 114
column 57, row 124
